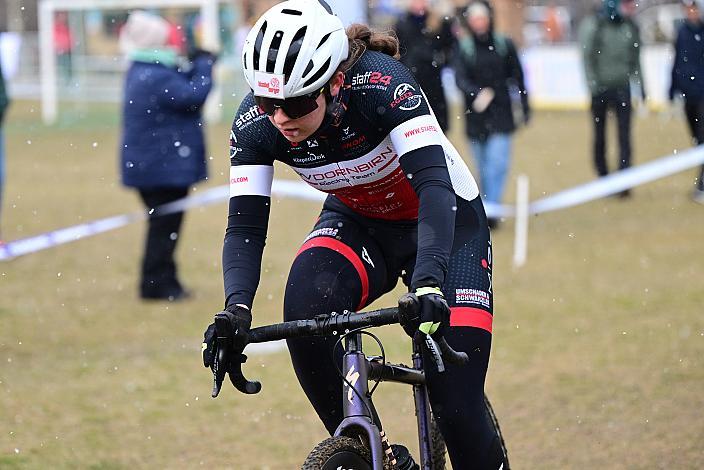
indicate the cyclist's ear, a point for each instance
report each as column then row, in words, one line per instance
column 336, row 83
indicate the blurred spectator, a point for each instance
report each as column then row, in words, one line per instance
column 688, row 78
column 486, row 68
column 611, row 48
column 4, row 102
column 552, row 25
column 163, row 149
column 426, row 43
column 63, row 45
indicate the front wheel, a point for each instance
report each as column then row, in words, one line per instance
column 339, row 452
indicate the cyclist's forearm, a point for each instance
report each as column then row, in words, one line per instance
column 245, row 238
column 436, row 214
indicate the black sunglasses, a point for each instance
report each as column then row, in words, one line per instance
column 294, row 108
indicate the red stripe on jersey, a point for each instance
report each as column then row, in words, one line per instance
column 347, row 252
column 468, row 316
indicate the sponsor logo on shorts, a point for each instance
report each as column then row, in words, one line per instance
column 322, row 232
column 472, row 296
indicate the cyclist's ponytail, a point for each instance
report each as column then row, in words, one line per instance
column 361, row 38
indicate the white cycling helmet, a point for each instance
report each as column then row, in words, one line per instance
column 294, row 49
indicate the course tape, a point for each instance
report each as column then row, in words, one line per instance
column 612, row 184
column 620, row 181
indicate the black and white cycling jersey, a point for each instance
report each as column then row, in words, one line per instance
column 370, row 159
column 356, row 159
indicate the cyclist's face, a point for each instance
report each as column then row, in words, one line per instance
column 297, row 130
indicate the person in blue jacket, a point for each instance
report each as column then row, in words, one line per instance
column 688, row 78
column 163, row 148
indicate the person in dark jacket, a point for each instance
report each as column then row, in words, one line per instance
column 688, row 78
column 426, row 44
column 611, row 48
column 488, row 71
column 4, row 103
column 163, row 148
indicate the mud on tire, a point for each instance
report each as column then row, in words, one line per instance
column 338, row 451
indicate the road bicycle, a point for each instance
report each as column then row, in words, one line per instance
column 359, row 442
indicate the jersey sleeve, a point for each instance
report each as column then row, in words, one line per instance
column 394, row 100
column 251, row 175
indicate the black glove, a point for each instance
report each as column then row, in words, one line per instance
column 224, row 340
column 424, row 312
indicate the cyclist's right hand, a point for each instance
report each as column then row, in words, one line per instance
column 223, row 342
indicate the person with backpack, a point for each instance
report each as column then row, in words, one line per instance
column 488, row 72
column 688, row 78
column 611, row 51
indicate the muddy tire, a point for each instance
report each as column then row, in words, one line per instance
column 339, row 451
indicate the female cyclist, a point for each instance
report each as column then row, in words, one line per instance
column 340, row 110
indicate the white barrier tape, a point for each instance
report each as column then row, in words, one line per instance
column 602, row 187
column 282, row 188
column 620, row 181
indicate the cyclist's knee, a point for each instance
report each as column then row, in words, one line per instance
column 321, row 280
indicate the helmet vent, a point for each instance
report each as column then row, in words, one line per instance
column 326, row 6
column 293, row 51
column 258, row 45
column 287, row 11
column 318, row 74
column 273, row 51
column 322, row 41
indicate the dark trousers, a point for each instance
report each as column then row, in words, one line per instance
column 694, row 109
column 619, row 99
column 158, row 265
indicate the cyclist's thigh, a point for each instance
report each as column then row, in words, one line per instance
column 457, row 395
column 339, row 266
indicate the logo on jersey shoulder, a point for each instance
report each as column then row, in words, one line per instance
column 248, row 117
column 372, row 78
column 406, row 98
column 234, row 149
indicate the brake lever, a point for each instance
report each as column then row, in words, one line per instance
column 458, row 358
column 238, row 379
column 230, row 362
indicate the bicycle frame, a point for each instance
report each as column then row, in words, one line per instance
column 359, row 414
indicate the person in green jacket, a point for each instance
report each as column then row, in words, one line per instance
column 4, row 102
column 611, row 46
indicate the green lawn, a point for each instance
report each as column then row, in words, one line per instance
column 598, row 357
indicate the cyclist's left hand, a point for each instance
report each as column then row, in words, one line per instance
column 434, row 312
column 425, row 312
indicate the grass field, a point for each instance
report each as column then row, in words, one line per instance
column 598, row 358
